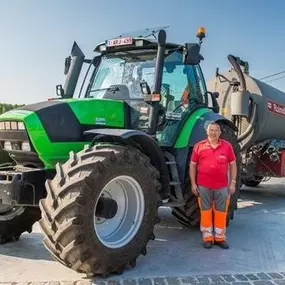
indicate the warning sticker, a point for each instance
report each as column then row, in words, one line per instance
column 276, row 108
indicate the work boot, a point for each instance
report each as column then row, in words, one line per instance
column 208, row 244
column 222, row 244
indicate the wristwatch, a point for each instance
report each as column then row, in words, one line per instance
column 233, row 181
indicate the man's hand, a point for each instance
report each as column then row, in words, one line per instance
column 192, row 173
column 194, row 189
column 232, row 187
column 233, row 175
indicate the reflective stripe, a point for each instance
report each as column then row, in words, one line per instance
column 206, row 230
column 207, row 233
column 219, row 231
column 220, row 234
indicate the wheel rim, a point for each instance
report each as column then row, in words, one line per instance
column 121, row 229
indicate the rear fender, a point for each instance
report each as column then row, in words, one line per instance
column 197, row 133
column 141, row 141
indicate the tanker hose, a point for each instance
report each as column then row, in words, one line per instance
column 233, row 60
column 251, row 123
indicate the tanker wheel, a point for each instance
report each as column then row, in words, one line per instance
column 17, row 221
column 253, row 183
column 189, row 215
column 101, row 209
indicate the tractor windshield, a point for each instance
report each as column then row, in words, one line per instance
column 118, row 77
column 125, row 72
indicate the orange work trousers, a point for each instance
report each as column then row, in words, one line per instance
column 214, row 208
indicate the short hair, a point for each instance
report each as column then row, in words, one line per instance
column 212, row 123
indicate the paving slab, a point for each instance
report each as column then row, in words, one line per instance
column 176, row 257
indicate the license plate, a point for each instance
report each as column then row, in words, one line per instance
column 119, row 42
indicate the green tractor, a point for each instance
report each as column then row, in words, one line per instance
column 97, row 167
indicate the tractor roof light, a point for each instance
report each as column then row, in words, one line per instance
column 102, row 48
column 139, row 43
column 201, row 33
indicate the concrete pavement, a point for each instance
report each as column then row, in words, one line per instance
column 256, row 237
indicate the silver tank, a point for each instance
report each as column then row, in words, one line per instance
column 269, row 119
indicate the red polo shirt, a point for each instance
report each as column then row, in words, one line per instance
column 213, row 163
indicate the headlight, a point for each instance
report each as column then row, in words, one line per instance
column 7, row 125
column 25, row 146
column 21, row 126
column 12, row 125
column 7, row 146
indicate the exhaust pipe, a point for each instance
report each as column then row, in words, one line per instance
column 73, row 65
column 154, row 111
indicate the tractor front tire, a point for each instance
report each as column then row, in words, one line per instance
column 189, row 215
column 97, row 244
column 16, row 222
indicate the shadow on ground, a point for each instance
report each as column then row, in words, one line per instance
column 29, row 246
column 255, row 235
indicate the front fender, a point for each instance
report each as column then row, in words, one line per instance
column 140, row 140
column 199, row 131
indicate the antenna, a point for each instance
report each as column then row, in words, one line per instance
column 144, row 33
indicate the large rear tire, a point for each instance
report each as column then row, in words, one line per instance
column 189, row 215
column 16, row 222
column 87, row 242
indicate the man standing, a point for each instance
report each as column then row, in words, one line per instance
column 211, row 161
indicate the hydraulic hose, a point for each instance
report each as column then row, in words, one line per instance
column 251, row 125
column 236, row 62
column 233, row 60
column 5, row 165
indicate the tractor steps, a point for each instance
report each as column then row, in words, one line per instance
column 172, row 202
column 175, row 183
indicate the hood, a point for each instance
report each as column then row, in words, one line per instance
column 64, row 120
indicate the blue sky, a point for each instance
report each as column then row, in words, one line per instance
column 36, row 36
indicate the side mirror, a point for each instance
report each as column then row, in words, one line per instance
column 214, row 97
column 67, row 64
column 59, row 90
column 192, row 54
column 216, row 94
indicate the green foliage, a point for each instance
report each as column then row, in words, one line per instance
column 7, row 107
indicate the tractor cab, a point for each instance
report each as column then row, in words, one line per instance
column 148, row 75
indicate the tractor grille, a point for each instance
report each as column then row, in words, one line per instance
column 15, row 140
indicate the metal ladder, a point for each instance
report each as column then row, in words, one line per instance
column 175, row 183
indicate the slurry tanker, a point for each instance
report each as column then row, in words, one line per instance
column 258, row 111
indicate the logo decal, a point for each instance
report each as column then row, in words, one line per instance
column 276, row 108
column 100, row 121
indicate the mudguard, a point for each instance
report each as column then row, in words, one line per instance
column 140, row 140
column 199, row 131
column 194, row 131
